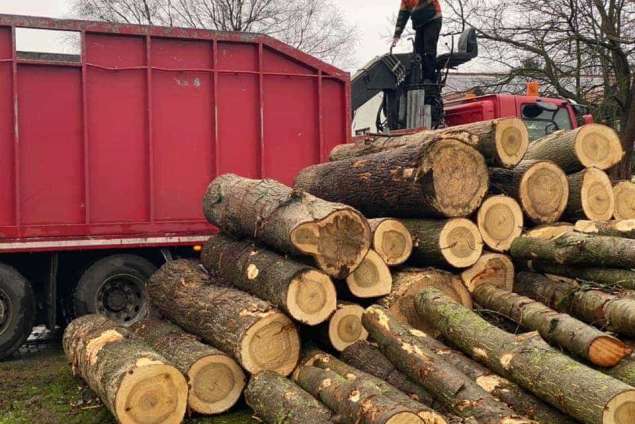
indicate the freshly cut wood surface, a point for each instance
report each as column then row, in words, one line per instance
column 584, row 393
column 253, row 332
column 391, row 240
column 590, row 195
column 138, row 385
column 335, row 235
column 492, row 268
column 216, row 381
column 372, row 277
column 305, row 293
column 592, row 145
column 442, row 179
column 624, row 193
column 624, row 228
column 549, row 231
column 611, row 277
column 345, row 326
column 500, row 220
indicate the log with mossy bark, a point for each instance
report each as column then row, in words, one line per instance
column 500, row 220
column 623, row 228
column 305, row 293
column 558, row 329
column 539, row 186
column 252, row 331
column 492, row 268
column 276, row 399
column 503, row 142
column 584, row 393
column 449, row 386
column 291, row 221
column 604, row 310
column 612, row 278
column 592, row 145
column 444, row 179
column 624, row 192
column 407, row 283
column 199, row 362
column 137, row 384
column 372, row 278
column 391, row 240
column 590, row 196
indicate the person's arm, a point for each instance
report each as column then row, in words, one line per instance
column 402, row 19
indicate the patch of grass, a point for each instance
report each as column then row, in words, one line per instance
column 39, row 388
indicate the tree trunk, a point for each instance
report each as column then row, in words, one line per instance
column 391, row 240
column 586, row 394
column 372, row 277
column 556, row 328
column 595, row 307
column 592, row 145
column 540, row 187
column 336, row 235
column 133, row 381
column 306, row 294
column 452, row 388
column 590, row 196
column 253, row 332
column 344, row 327
column 610, row 277
column 624, row 371
column 407, row 283
column 276, row 399
column 578, row 249
column 624, row 228
column 491, row 268
column 444, row 179
column 500, row 220
column 200, row 363
column 624, row 193
column 454, row 242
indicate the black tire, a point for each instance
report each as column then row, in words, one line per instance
column 115, row 286
column 17, row 310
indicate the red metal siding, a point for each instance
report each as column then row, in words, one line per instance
column 7, row 198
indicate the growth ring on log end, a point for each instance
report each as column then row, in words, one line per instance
column 624, row 193
column 598, row 146
column 512, row 140
column 544, row 192
column 216, row 384
column 500, row 221
column 598, row 200
column 345, row 326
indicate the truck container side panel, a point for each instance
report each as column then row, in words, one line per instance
column 181, row 54
column 7, row 183
column 238, row 117
column 182, row 142
column 115, row 50
column 335, row 126
column 50, row 123
column 237, row 56
column 278, row 63
column 291, row 133
column 5, row 43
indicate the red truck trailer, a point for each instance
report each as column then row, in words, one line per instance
column 105, row 156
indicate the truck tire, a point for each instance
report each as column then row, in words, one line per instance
column 17, row 310
column 115, row 286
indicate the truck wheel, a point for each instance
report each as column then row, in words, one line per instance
column 17, row 310
column 115, row 286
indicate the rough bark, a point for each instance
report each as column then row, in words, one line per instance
column 444, row 179
column 306, row 294
column 199, row 362
column 624, row 192
column 592, row 145
column 252, row 331
column 500, row 220
column 558, row 329
column 335, row 235
column 371, row 278
column 276, row 399
column 454, row 242
column 624, row 228
column 134, row 382
column 590, row 195
column 624, row 371
column 540, row 187
column 344, row 327
column 586, row 394
column 407, row 283
column 452, row 388
column 491, row 268
column 610, row 277
column 391, row 240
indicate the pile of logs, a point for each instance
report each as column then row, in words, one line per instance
column 382, row 288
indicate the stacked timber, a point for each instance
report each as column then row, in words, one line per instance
column 624, row 193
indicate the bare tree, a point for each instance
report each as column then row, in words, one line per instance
column 580, row 49
column 314, row 26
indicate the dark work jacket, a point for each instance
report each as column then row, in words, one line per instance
column 421, row 12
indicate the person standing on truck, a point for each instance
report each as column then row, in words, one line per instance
column 426, row 21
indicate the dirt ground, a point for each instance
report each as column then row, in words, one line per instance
column 37, row 387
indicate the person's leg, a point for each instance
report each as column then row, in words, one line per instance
column 430, row 40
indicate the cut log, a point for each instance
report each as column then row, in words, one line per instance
column 503, row 142
column 252, row 331
column 391, row 240
column 500, row 221
column 372, row 277
column 595, row 307
column 455, row 242
column 407, row 283
column 345, row 326
column 549, row 231
column 216, row 381
column 624, row 228
column 134, row 382
column 624, row 371
column 291, row 221
column 558, row 329
column 452, row 388
column 443, row 179
column 352, row 402
column 586, row 394
column 624, row 193
column 592, row 145
column 540, row 187
column 306, row 294
column 276, row 399
column 493, row 269
column 610, row 277
column 590, row 195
